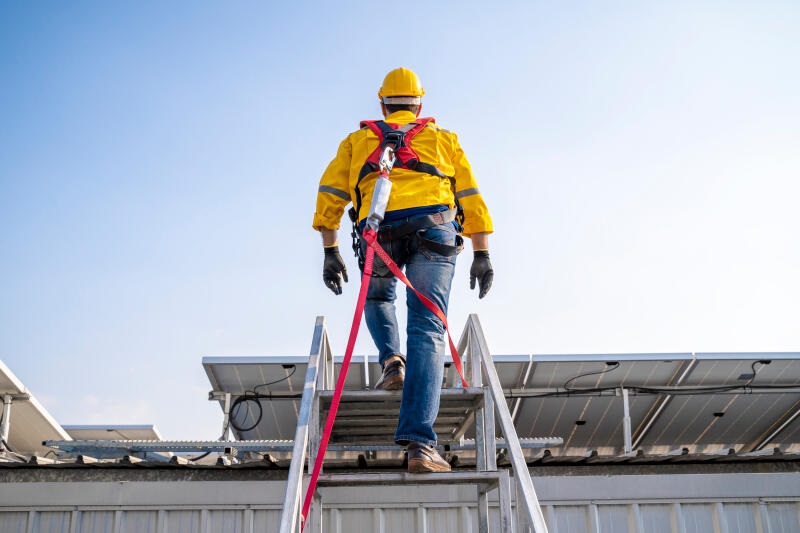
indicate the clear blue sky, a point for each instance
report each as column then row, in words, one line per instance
column 159, row 162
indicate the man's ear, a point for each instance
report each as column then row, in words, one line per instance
column 419, row 109
column 383, row 110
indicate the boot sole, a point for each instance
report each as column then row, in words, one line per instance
column 395, row 383
column 421, row 466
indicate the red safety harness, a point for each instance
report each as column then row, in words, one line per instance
column 405, row 157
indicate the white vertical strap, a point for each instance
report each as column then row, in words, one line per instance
column 249, row 520
column 73, row 521
column 637, row 518
column 422, row 520
column 466, row 520
column 161, row 525
column 680, row 526
column 722, row 519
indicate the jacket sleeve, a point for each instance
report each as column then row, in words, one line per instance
column 333, row 194
column 476, row 214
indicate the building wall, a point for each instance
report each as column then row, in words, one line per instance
column 766, row 502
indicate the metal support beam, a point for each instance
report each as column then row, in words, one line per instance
column 226, row 417
column 660, row 404
column 5, row 426
column 512, row 394
column 775, row 429
column 522, row 385
column 626, row 420
column 113, row 448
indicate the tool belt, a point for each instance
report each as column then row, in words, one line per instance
column 414, row 229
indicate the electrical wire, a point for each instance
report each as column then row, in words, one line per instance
column 251, row 395
column 700, row 390
column 613, row 366
column 5, row 447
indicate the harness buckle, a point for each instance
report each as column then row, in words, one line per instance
column 387, row 160
column 395, row 137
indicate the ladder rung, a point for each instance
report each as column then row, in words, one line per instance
column 325, row 396
column 461, row 478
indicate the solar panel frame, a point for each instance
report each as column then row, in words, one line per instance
column 30, row 422
column 685, row 421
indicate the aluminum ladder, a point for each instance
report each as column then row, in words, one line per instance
column 366, row 420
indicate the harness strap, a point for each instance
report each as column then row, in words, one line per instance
column 337, row 394
column 405, row 156
column 372, row 241
column 446, row 250
column 373, row 247
column 396, row 231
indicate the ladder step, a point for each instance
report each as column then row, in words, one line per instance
column 469, row 394
column 460, row 478
column 370, row 416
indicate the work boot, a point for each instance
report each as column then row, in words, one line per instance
column 394, row 373
column 423, row 458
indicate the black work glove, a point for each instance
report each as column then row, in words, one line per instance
column 481, row 270
column 333, row 269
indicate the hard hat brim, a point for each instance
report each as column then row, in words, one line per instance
column 413, row 100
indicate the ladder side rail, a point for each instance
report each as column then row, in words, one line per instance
column 480, row 420
column 504, row 500
column 329, row 381
column 325, row 374
column 290, row 517
column 481, row 431
column 466, row 360
column 521, row 472
column 490, row 431
column 325, row 381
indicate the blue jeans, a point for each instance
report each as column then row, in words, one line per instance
column 432, row 275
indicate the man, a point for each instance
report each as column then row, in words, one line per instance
column 432, row 183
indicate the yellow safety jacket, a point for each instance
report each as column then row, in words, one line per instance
column 434, row 145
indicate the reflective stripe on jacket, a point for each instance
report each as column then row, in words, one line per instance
column 433, row 145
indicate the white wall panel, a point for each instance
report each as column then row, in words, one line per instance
column 611, row 518
column 265, row 520
column 735, row 503
column 571, row 518
column 14, row 522
column 95, row 521
column 225, row 520
column 657, row 518
column 52, row 522
column 784, row 517
column 741, row 517
column 183, row 521
column 699, row 518
column 139, row 522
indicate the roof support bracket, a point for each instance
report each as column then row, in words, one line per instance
column 626, row 420
column 5, row 425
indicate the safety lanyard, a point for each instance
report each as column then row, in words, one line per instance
column 371, row 237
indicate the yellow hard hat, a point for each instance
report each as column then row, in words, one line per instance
column 401, row 82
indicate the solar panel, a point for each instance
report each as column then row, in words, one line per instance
column 30, row 423
column 113, row 432
column 702, row 421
